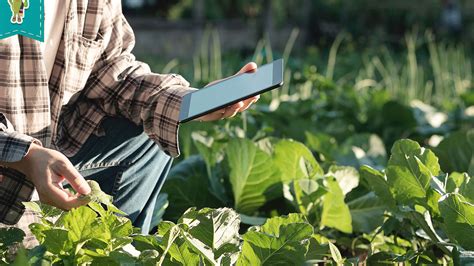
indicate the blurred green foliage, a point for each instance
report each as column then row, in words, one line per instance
column 366, row 19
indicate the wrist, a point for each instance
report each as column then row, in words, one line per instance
column 30, row 153
column 23, row 164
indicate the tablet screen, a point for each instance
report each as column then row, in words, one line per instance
column 232, row 90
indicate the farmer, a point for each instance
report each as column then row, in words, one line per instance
column 79, row 106
column 18, row 8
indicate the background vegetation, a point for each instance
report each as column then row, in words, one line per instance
column 364, row 156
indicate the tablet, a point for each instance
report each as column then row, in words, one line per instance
column 231, row 90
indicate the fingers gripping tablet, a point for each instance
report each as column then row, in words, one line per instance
column 231, row 90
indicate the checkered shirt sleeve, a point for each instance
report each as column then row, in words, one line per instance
column 13, row 145
column 119, row 85
column 14, row 187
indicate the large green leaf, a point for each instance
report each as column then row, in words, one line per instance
column 10, row 236
column 367, row 212
column 214, row 233
column 295, row 161
column 177, row 248
column 410, row 170
column 467, row 188
column 81, row 224
column 209, row 234
column 272, row 226
column 117, row 226
column 168, row 242
column 462, row 183
column 431, row 201
column 147, row 242
column 458, row 215
column 212, row 152
column 188, row 186
column 253, row 175
column 208, row 147
column 456, row 152
column 377, row 182
column 56, row 240
column 335, row 212
column 346, row 176
column 182, row 253
column 281, row 241
column 318, row 249
column 305, row 194
column 455, row 180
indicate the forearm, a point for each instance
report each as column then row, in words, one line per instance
column 145, row 98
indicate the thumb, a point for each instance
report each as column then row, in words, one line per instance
column 249, row 67
column 75, row 179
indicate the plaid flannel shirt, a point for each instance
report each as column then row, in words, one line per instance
column 94, row 76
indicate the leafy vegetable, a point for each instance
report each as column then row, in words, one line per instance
column 281, row 241
column 214, row 233
column 410, row 170
column 9, row 237
column 377, row 182
column 306, row 195
column 402, row 214
column 346, row 176
column 253, row 175
column 458, row 215
column 456, row 152
column 367, row 212
column 335, row 212
column 295, row 161
column 188, row 186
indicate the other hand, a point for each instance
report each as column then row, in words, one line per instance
column 47, row 169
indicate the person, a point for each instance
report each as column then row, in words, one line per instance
column 80, row 106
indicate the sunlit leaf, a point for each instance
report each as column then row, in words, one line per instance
column 335, row 212
column 458, row 215
column 253, row 175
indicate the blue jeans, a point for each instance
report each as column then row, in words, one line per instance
column 128, row 165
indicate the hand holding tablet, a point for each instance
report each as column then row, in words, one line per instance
column 231, row 110
column 235, row 94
